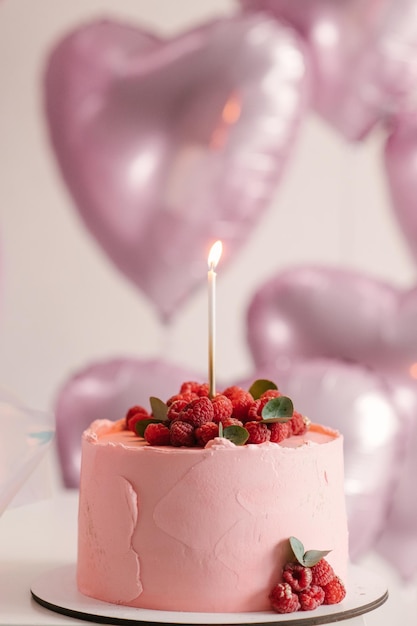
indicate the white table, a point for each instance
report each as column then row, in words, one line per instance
column 34, row 540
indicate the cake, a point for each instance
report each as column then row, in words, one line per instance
column 205, row 526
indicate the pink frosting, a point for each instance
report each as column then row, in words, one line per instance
column 204, row 529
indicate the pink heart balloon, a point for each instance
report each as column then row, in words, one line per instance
column 363, row 55
column 401, row 170
column 354, row 400
column 106, row 390
column 167, row 146
column 311, row 312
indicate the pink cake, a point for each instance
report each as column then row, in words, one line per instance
column 204, row 529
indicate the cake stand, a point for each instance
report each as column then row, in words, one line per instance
column 57, row 591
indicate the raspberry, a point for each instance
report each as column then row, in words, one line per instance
column 297, row 424
column 311, row 598
column 283, row 600
column 197, row 412
column 241, row 400
column 206, row 432
column 182, row 434
column 279, row 431
column 258, row 433
column 222, row 407
column 157, row 435
column 188, row 397
column 297, row 576
column 134, row 414
column 322, row 573
column 255, row 410
column 231, row 421
column 334, row 591
column 271, row 393
column 200, row 389
column 175, row 409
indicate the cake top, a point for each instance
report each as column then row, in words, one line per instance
column 234, row 417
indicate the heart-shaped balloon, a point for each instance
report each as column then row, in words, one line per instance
column 363, row 54
column 355, row 401
column 167, row 146
column 401, row 170
column 106, row 390
column 310, row 312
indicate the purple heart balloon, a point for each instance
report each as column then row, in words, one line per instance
column 310, row 312
column 363, row 56
column 167, row 146
column 106, row 390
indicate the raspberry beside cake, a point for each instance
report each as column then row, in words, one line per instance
column 206, row 529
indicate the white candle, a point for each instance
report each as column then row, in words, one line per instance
column 213, row 259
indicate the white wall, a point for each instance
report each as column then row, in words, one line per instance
column 63, row 304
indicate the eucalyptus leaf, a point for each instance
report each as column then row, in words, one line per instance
column 141, row 425
column 298, row 549
column 220, row 429
column 276, row 409
column 236, row 434
column 260, row 386
column 312, row 557
column 159, row 409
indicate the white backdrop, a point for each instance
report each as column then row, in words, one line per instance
column 62, row 303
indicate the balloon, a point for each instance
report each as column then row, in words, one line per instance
column 401, row 169
column 355, row 401
column 363, row 54
column 398, row 542
column 310, row 312
column 167, row 146
column 106, row 390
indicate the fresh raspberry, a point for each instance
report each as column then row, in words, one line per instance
column 283, row 600
column 206, row 432
column 197, row 412
column 200, row 389
column 182, row 434
column 157, row 435
column 297, row 576
column 334, row 591
column 258, row 433
column 188, row 397
column 271, row 393
column 138, row 413
column 279, row 431
column 231, row 421
column 311, row 598
column 175, row 409
column 222, row 407
column 241, row 400
column 297, row 424
column 322, row 573
column 255, row 410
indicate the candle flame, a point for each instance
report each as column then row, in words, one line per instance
column 215, row 254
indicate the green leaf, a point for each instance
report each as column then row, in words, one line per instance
column 159, row 409
column 220, row 429
column 298, row 549
column 312, row 557
column 141, row 425
column 236, row 434
column 278, row 409
column 260, row 386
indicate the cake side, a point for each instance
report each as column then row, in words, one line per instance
column 204, row 529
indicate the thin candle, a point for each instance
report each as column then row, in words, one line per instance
column 213, row 259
